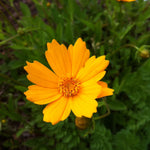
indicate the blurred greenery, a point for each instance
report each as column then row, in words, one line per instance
column 119, row 30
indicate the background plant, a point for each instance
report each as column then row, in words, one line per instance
column 121, row 31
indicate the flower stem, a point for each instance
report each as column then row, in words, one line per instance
column 126, row 45
column 103, row 116
column 9, row 39
column 18, row 34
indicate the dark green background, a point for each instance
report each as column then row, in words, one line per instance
column 119, row 30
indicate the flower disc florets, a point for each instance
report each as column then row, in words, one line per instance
column 68, row 87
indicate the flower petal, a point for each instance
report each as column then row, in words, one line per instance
column 93, row 67
column 67, row 110
column 103, row 84
column 41, row 75
column 58, row 58
column 105, row 90
column 82, row 105
column 40, row 95
column 57, row 111
column 90, row 89
column 79, row 55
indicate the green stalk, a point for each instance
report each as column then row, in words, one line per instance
column 9, row 39
column 18, row 34
column 105, row 115
column 126, row 45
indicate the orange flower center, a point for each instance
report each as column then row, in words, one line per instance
column 68, row 87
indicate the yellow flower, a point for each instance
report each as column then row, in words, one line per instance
column 73, row 86
column 126, row 0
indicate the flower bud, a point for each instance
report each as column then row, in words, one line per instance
column 144, row 53
column 21, row 31
column 82, row 122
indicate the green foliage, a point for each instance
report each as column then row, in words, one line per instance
column 101, row 138
column 118, row 30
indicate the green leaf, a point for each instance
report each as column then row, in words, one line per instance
column 25, row 9
column 71, row 9
column 19, row 133
column 2, row 37
column 125, row 30
column 67, row 138
column 136, row 84
column 59, row 32
column 87, row 23
column 126, row 140
column 100, row 104
column 117, row 105
column 16, row 64
column 20, row 88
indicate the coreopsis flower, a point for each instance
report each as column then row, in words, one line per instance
column 71, row 86
column 126, row 0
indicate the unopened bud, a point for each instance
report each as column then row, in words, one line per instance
column 144, row 53
column 21, row 31
column 82, row 122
